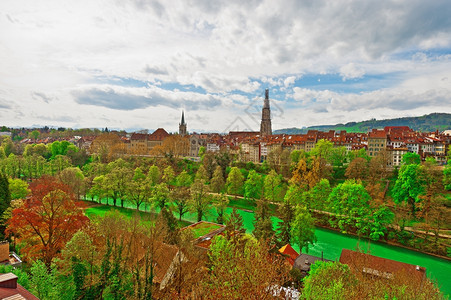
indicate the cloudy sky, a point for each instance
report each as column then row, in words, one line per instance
column 137, row 64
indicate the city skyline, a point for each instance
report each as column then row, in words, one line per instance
column 139, row 64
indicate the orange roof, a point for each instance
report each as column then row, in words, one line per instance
column 292, row 254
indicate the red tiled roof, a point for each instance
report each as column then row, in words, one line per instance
column 379, row 266
column 292, row 254
column 158, row 135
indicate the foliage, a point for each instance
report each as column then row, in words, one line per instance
column 235, row 182
column 411, row 158
column 329, row 280
column 253, row 187
column 200, row 200
column 47, row 220
column 50, row 285
column 217, row 181
column 303, row 228
column 220, row 203
column 409, row 186
column 273, row 186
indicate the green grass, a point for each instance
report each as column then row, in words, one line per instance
column 101, row 210
column 203, row 229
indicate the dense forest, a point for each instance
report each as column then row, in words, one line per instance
column 426, row 123
column 118, row 254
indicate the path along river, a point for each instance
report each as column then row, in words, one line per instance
column 330, row 243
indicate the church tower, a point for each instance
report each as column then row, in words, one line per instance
column 265, row 125
column 182, row 125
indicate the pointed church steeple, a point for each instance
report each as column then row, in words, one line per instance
column 265, row 125
column 182, row 125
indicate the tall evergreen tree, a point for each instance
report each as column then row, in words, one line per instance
column 262, row 223
column 5, row 197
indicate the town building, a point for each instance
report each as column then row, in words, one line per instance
column 182, row 125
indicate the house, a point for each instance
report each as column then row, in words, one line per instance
column 289, row 253
column 381, row 267
column 11, row 290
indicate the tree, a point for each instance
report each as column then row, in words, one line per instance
column 202, row 174
column 241, row 270
column 5, row 194
column 263, row 228
column 18, row 188
column 154, row 175
column 235, row 182
column 220, row 203
column 329, row 280
column 303, row 228
column 350, row 202
column 74, row 178
column 47, row 220
column 217, row 181
column 168, row 175
column 48, row 285
column 273, row 186
column 286, row 214
column 183, row 179
column 357, row 169
column 138, row 189
column 409, row 186
column 411, row 158
column 160, row 195
column 447, row 177
column 180, row 197
column 200, row 201
column 253, row 187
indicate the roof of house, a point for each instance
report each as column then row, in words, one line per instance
column 292, row 254
column 158, row 135
column 11, row 290
column 379, row 266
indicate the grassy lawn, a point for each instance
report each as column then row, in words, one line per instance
column 203, row 229
column 101, row 210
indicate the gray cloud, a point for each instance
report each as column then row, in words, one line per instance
column 137, row 98
column 41, row 96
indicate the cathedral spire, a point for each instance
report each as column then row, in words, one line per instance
column 265, row 125
column 182, row 125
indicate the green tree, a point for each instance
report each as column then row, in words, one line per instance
column 411, row 158
column 273, row 186
column 286, row 214
column 253, row 187
column 263, row 228
column 200, row 200
column 381, row 219
column 160, row 195
column 329, row 280
column 303, row 228
column 202, row 173
column 50, row 285
column 18, row 188
column 217, row 181
column 350, row 202
column 235, row 181
column 220, row 203
column 5, row 194
column 168, row 175
column 138, row 189
column 447, row 177
column 154, row 175
column 183, row 179
column 180, row 196
column 409, row 186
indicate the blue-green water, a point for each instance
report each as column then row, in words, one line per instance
column 330, row 243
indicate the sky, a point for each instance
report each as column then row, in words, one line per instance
column 137, row 64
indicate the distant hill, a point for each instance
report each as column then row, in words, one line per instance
column 431, row 122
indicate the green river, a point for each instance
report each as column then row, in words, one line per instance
column 330, row 243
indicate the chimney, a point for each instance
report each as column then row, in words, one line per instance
column 4, row 251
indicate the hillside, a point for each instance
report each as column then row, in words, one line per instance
column 431, row 122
